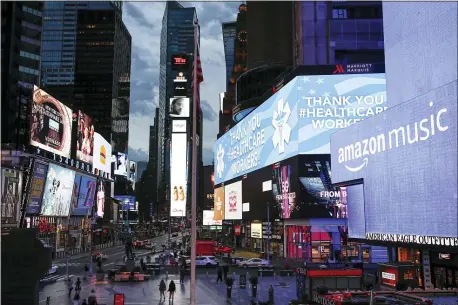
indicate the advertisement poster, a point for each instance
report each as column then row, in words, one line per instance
column 284, row 196
column 38, row 186
column 179, row 107
column 178, row 175
column 76, row 188
column 128, row 202
column 122, row 165
column 218, row 208
column 256, row 230
column 298, row 119
column 133, row 173
column 85, row 138
column 233, row 201
column 11, row 195
column 51, row 124
column 178, row 126
column 86, row 196
column 100, row 208
column 102, row 154
column 207, row 219
column 58, row 192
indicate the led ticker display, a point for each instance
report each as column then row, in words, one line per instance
column 298, row 119
column 51, row 124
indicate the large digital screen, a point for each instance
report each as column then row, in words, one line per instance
column 407, row 160
column 208, row 202
column 178, row 175
column 298, row 119
column 122, row 165
column 233, row 201
column 256, row 230
column 58, row 192
column 11, row 195
column 85, row 195
column 101, row 193
column 133, row 172
column 207, row 219
column 37, row 188
column 356, row 211
column 318, row 197
column 128, row 202
column 179, row 107
column 218, row 209
column 284, row 194
column 102, row 154
column 51, row 124
column 85, row 138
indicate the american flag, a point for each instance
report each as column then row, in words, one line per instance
column 197, row 72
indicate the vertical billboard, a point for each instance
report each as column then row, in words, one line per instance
column 51, row 124
column 179, row 107
column 11, row 195
column 218, row 209
column 407, row 160
column 122, row 165
column 86, row 196
column 208, row 219
column 298, row 119
column 178, row 175
column 233, row 201
column 85, row 138
column 180, row 85
column 38, row 186
column 58, row 192
column 283, row 189
column 100, row 207
column 133, row 173
column 102, row 154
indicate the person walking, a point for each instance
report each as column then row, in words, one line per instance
column 86, row 270
column 182, row 269
column 172, row 289
column 220, row 275
column 78, row 286
column 271, row 295
column 162, row 288
column 76, row 299
column 70, row 288
column 92, row 299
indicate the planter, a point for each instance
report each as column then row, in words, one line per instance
column 229, row 292
column 254, row 290
column 100, row 276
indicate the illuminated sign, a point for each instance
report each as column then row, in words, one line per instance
column 178, row 126
column 179, row 62
column 178, row 175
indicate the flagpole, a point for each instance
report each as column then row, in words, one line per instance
column 194, row 167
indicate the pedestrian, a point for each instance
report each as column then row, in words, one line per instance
column 86, row 270
column 70, row 288
column 271, row 295
column 220, row 275
column 172, row 289
column 78, row 286
column 182, row 269
column 92, row 299
column 84, row 302
column 162, row 288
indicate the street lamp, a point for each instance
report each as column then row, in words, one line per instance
column 267, row 187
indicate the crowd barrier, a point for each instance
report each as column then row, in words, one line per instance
column 62, row 254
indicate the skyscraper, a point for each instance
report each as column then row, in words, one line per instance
column 229, row 34
column 21, row 49
column 86, row 58
column 177, row 39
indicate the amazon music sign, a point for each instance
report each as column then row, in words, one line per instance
column 406, row 158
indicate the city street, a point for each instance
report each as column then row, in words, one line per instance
column 145, row 293
column 115, row 255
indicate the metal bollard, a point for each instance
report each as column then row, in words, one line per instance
column 166, row 275
column 48, row 300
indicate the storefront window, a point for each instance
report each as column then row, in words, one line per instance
column 408, row 255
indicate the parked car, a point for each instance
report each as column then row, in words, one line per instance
column 204, row 261
column 254, row 262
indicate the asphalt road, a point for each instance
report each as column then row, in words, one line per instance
column 115, row 255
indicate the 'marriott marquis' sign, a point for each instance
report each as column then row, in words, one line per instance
column 298, row 119
column 407, row 160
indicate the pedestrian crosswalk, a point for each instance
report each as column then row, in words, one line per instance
column 55, row 278
column 65, row 264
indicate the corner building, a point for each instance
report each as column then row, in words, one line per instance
column 401, row 198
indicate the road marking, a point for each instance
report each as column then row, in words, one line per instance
column 108, row 264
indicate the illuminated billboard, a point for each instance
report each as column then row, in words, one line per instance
column 178, row 126
column 58, row 191
column 233, row 201
column 207, row 219
column 178, row 175
column 179, row 107
column 85, row 138
column 133, row 173
column 406, row 159
column 128, row 202
column 38, row 186
column 218, row 209
column 51, row 124
column 121, row 165
column 102, row 154
column 11, row 195
column 298, row 119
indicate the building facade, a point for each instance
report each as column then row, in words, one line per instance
column 177, row 39
column 21, row 56
column 86, row 57
column 338, row 32
column 229, row 35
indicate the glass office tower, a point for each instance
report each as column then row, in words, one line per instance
column 229, row 33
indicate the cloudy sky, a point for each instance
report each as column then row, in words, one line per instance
column 144, row 21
